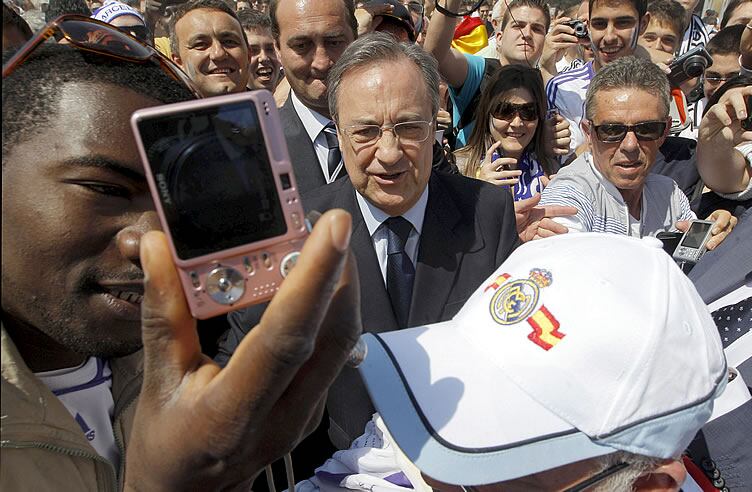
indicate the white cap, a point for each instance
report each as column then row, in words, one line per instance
column 577, row 346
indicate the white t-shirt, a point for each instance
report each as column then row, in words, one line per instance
column 86, row 391
column 566, row 92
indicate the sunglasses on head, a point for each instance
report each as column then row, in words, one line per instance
column 507, row 111
column 615, row 132
column 91, row 35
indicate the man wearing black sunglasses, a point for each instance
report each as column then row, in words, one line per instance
column 626, row 121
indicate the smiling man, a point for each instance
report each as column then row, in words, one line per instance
column 626, row 121
column 209, row 44
column 264, row 64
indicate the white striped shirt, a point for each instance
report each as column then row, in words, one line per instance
column 566, row 92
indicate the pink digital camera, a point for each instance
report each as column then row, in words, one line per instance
column 224, row 188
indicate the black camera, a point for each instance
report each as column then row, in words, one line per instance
column 689, row 65
column 580, row 28
column 747, row 122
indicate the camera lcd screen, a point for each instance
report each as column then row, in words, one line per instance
column 695, row 235
column 214, row 178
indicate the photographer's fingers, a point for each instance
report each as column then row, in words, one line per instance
column 171, row 344
column 271, row 354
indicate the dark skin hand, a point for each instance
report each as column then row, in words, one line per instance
column 199, row 427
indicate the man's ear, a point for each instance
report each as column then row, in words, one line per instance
column 176, row 59
column 668, row 476
column 585, row 127
column 644, row 24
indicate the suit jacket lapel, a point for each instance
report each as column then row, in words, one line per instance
column 305, row 163
column 376, row 309
column 444, row 241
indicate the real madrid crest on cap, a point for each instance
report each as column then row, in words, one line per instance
column 517, row 300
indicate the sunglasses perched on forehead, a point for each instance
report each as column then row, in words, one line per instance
column 614, row 132
column 91, row 35
column 507, row 111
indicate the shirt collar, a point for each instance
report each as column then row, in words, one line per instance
column 312, row 121
column 374, row 216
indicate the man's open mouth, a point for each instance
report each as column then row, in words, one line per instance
column 221, row 71
column 132, row 294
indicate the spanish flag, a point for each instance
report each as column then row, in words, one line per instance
column 470, row 35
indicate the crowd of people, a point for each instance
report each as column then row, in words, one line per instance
column 485, row 298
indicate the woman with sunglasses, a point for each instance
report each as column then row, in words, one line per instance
column 506, row 147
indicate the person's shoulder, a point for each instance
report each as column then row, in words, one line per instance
column 327, row 196
column 576, row 179
column 573, row 78
column 473, row 196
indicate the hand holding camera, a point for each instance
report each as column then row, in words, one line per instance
column 690, row 65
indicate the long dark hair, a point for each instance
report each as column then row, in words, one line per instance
column 505, row 79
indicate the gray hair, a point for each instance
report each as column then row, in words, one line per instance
column 379, row 47
column 624, row 479
column 629, row 72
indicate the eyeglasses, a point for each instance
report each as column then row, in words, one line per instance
column 91, row 35
column 717, row 80
column 406, row 132
column 507, row 111
column 646, row 131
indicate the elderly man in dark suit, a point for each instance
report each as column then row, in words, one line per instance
column 423, row 240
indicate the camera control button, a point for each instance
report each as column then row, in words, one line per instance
column 195, row 280
column 248, row 265
column 288, row 262
column 225, row 285
column 266, row 259
column 295, row 220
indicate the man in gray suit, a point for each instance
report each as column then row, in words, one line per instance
column 310, row 36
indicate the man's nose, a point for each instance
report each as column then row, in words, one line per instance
column 630, row 143
column 217, row 51
column 322, row 62
column 388, row 150
column 128, row 240
column 610, row 33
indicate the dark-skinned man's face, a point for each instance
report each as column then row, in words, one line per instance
column 75, row 205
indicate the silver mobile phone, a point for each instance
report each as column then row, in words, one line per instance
column 691, row 247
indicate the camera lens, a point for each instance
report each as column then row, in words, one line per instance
column 694, row 66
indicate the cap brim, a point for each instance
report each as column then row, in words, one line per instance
column 445, row 418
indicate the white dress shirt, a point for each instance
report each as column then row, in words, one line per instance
column 375, row 217
column 314, row 123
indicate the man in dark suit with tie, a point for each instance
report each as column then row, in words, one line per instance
column 310, row 36
column 423, row 240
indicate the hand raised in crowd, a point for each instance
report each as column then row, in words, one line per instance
column 200, row 427
column 535, row 222
column 721, row 125
column 724, row 224
column 556, row 136
column 496, row 171
column 369, row 16
column 558, row 40
column 722, row 167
